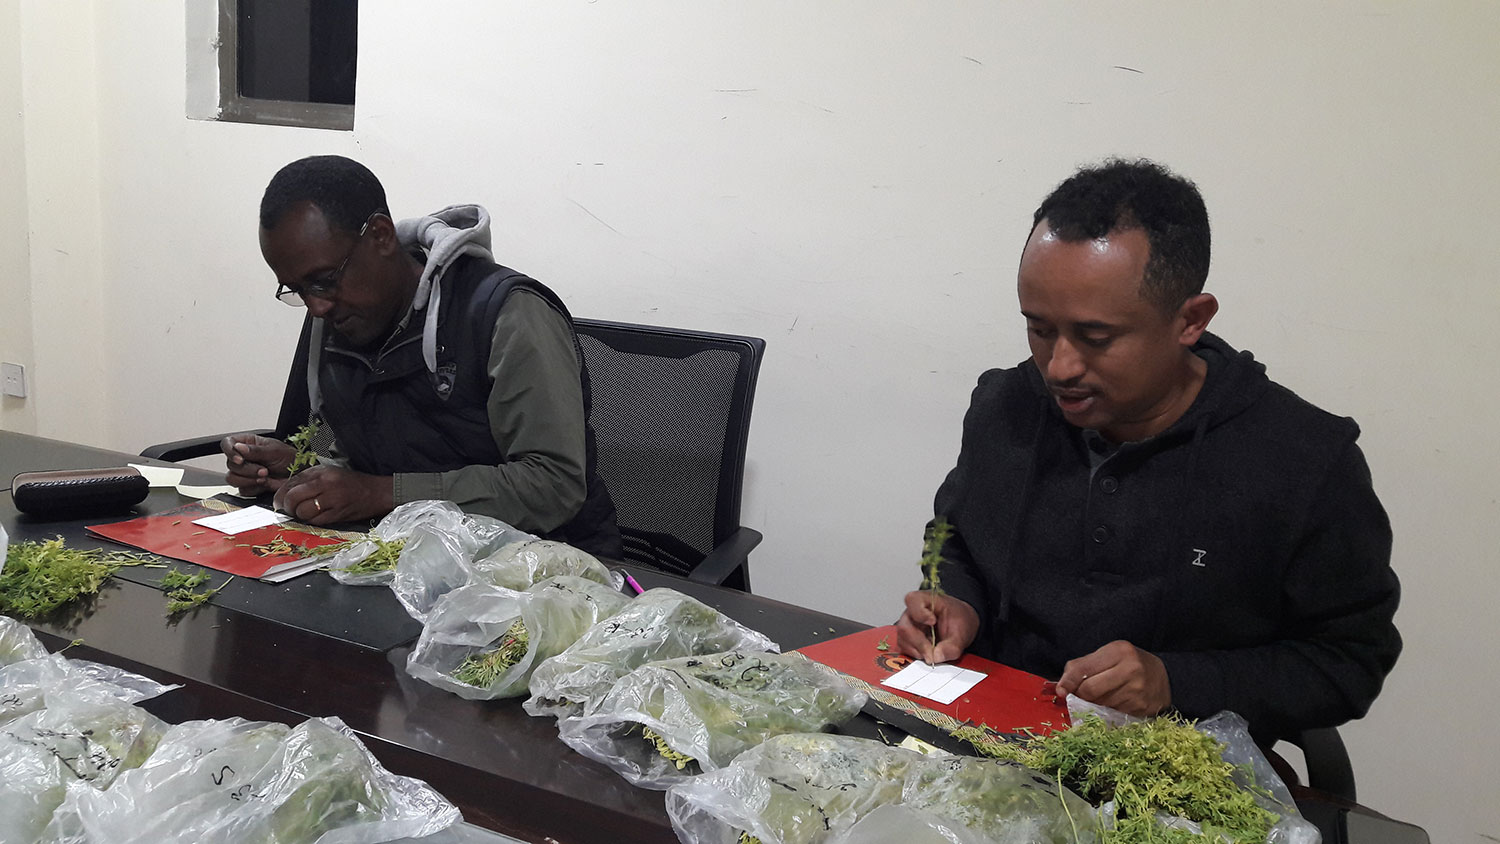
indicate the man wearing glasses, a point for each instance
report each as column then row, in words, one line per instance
column 440, row 374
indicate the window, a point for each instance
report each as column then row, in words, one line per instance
column 283, row 62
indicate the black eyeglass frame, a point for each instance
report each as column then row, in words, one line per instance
column 324, row 289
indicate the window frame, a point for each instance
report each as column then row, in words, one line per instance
column 234, row 108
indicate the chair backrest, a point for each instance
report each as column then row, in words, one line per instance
column 671, row 419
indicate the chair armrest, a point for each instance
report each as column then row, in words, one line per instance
column 1328, row 767
column 729, row 562
column 195, row 447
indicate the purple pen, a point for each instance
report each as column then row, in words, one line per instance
column 633, row 584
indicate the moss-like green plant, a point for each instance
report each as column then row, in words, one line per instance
column 1164, row 765
column 39, row 577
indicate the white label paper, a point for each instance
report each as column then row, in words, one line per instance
column 942, row 683
column 238, row 521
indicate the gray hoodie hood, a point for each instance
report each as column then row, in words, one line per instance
column 443, row 235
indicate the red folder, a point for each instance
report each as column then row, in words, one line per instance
column 174, row 535
column 1007, row 699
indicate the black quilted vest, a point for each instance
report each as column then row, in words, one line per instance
column 391, row 415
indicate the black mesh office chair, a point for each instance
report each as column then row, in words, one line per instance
column 1327, row 761
column 671, row 417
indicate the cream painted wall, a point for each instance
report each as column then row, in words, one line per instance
column 851, row 181
column 15, row 270
column 69, row 386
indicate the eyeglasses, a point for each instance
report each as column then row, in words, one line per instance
column 322, row 288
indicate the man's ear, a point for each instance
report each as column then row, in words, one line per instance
column 383, row 232
column 1194, row 316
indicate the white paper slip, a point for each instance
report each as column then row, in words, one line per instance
column 158, row 475
column 286, row 571
column 202, row 492
column 942, row 683
column 239, row 521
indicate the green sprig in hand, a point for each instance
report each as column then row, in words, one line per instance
column 305, row 457
column 938, row 534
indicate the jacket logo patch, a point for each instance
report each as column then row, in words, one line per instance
column 1198, row 560
column 442, row 380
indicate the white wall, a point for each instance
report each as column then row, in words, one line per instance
column 15, row 271
column 851, row 181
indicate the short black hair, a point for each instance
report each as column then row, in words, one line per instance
column 343, row 189
column 1118, row 194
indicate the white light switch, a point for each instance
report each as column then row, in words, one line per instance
column 14, row 376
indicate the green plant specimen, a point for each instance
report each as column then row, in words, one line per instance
column 384, row 558
column 681, row 760
column 179, row 587
column 305, row 457
column 176, row 580
column 39, row 577
column 938, row 534
column 1163, row 765
column 483, row 668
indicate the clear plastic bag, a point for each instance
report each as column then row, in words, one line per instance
column 29, row 685
column 801, row 788
column 659, row 624
column 998, row 802
column 17, row 642
column 1254, row 773
column 672, row 719
column 518, row 565
column 398, row 525
column 238, row 782
column 895, row 823
column 472, row 647
column 71, row 745
column 439, row 555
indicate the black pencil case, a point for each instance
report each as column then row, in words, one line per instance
column 78, row 493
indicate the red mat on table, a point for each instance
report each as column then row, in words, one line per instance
column 1007, row 699
column 173, row 534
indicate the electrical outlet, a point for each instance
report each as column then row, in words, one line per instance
column 14, row 376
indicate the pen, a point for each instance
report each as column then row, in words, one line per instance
column 633, row 585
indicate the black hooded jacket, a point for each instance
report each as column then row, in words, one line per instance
column 1244, row 546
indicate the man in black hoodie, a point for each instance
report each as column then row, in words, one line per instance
column 1138, row 510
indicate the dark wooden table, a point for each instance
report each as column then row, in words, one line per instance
column 505, row 770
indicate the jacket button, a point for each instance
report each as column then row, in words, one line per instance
column 1101, row 534
column 1109, row 485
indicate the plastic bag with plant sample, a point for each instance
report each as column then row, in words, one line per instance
column 676, row 718
column 518, row 565
column 29, row 685
column 17, row 642
column 1168, row 777
column 658, row 624
column 801, row 788
column 483, row 642
column 371, row 561
column 237, row 782
column 998, row 801
column 438, row 556
column 72, row 744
